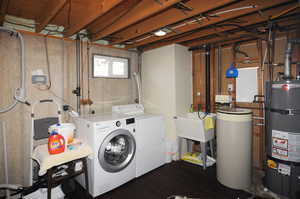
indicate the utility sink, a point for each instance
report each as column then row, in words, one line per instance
column 190, row 126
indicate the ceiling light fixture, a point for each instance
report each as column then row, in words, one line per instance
column 160, row 33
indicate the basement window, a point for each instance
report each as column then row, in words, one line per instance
column 110, row 67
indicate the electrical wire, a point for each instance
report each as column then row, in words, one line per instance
column 48, row 87
column 199, row 19
column 236, row 49
column 233, row 10
column 20, row 93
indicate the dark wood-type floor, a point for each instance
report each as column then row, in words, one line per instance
column 176, row 178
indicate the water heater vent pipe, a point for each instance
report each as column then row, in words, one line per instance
column 288, row 58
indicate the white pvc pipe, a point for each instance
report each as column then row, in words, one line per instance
column 21, row 91
column 138, row 83
column 3, row 129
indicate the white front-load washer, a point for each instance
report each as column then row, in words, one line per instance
column 112, row 138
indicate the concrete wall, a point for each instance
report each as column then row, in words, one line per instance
column 167, row 83
column 103, row 92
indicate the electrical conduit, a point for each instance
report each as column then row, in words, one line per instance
column 20, row 93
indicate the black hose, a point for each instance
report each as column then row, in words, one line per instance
column 236, row 49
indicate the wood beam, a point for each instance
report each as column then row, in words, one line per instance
column 142, row 11
column 3, row 10
column 240, row 34
column 166, row 18
column 231, row 36
column 247, row 20
column 93, row 10
column 113, row 16
column 52, row 9
column 189, row 30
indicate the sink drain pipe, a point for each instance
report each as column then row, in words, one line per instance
column 207, row 79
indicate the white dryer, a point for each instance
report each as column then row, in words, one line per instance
column 112, row 138
column 150, row 137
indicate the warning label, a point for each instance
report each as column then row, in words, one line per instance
column 280, row 145
column 286, row 145
column 284, row 169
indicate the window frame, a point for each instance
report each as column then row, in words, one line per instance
column 110, row 56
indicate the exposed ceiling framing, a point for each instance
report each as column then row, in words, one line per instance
column 3, row 10
column 214, row 29
column 92, row 10
column 142, row 11
column 132, row 23
column 193, row 29
column 51, row 9
column 238, row 34
column 166, row 18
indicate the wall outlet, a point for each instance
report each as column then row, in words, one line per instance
column 230, row 87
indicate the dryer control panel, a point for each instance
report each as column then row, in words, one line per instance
column 130, row 121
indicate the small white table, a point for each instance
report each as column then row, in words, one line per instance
column 50, row 164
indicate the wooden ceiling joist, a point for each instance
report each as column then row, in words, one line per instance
column 242, row 34
column 51, row 10
column 140, row 12
column 246, row 20
column 193, row 30
column 170, row 16
column 92, row 10
column 3, row 10
column 113, row 16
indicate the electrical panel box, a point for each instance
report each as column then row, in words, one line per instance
column 39, row 79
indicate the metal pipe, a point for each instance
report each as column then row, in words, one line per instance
column 219, row 69
column 207, row 79
column 288, row 60
column 298, row 72
column 78, row 92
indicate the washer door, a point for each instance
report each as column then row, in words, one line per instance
column 117, row 150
